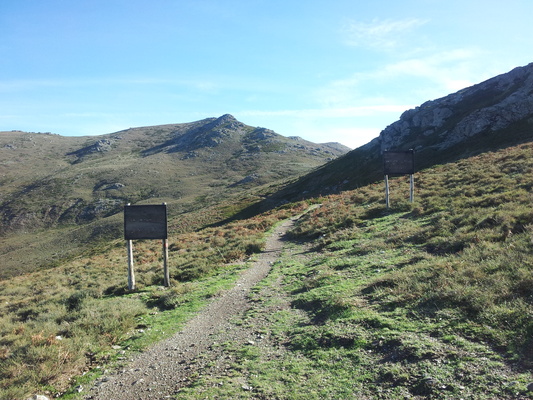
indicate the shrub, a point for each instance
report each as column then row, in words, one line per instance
column 171, row 297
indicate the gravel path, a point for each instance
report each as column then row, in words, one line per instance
column 159, row 372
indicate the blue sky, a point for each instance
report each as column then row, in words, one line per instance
column 333, row 70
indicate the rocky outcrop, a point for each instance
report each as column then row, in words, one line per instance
column 211, row 133
column 100, row 146
column 485, row 117
column 485, row 108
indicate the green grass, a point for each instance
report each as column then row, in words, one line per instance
column 426, row 300
column 362, row 351
column 60, row 322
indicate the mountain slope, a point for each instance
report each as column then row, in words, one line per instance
column 493, row 114
column 424, row 300
column 73, row 188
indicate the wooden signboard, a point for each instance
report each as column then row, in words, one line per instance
column 399, row 162
column 145, row 222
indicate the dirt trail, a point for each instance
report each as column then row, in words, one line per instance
column 160, row 371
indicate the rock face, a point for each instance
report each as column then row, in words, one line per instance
column 485, row 108
column 211, row 134
column 488, row 116
column 100, row 146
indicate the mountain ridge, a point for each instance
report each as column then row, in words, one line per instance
column 224, row 139
column 490, row 106
column 490, row 115
column 56, row 182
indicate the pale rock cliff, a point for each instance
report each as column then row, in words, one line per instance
column 487, row 107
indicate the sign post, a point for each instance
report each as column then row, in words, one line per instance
column 387, row 192
column 165, row 263
column 412, row 191
column 131, row 272
column 145, row 222
column 399, row 163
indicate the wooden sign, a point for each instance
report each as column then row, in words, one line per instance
column 145, row 222
column 399, row 162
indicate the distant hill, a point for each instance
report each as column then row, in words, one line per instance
column 78, row 185
column 488, row 116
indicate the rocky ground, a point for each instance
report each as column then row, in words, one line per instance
column 161, row 371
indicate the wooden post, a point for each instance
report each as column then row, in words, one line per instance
column 387, row 191
column 412, row 193
column 165, row 263
column 131, row 273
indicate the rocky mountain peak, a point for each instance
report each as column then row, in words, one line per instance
column 491, row 115
column 223, row 124
column 485, row 108
column 208, row 133
column 226, row 118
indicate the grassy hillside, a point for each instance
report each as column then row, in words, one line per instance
column 426, row 300
column 490, row 115
column 58, row 195
column 364, row 165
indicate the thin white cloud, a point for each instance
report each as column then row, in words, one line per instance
column 378, row 34
column 21, row 85
column 29, row 84
column 405, row 80
column 448, row 70
column 344, row 112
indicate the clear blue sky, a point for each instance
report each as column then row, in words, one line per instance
column 332, row 70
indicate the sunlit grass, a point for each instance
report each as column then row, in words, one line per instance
column 441, row 288
column 466, row 242
column 58, row 322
